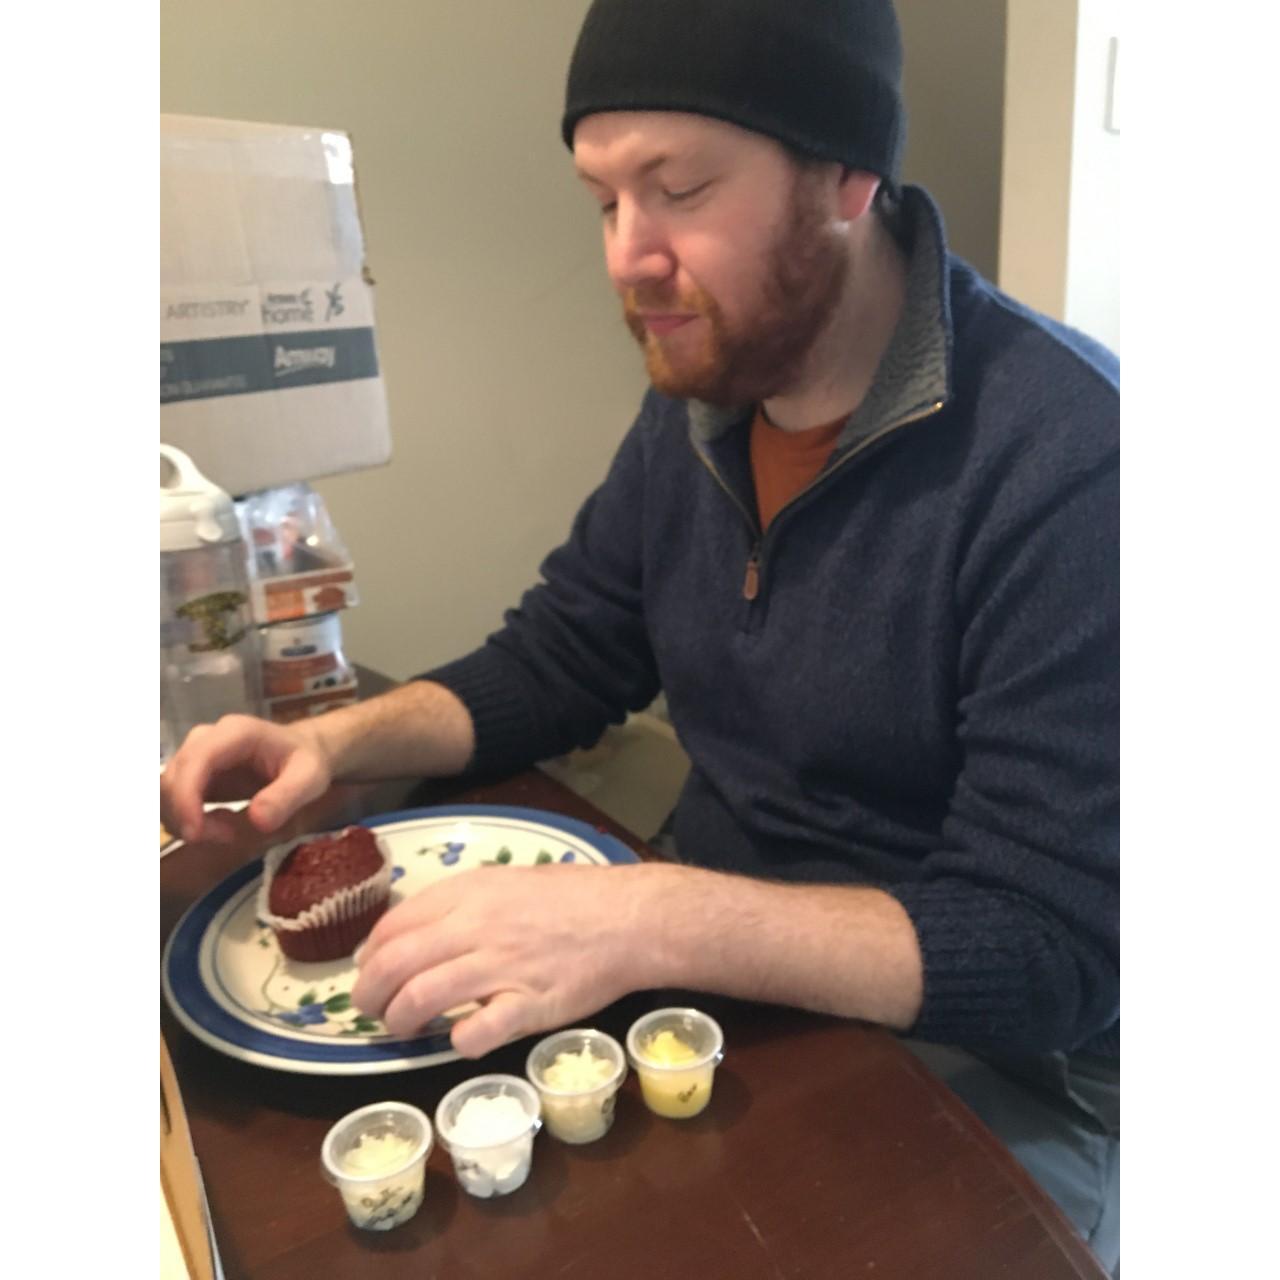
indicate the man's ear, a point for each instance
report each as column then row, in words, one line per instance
column 856, row 192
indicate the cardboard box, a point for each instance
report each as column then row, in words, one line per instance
column 268, row 362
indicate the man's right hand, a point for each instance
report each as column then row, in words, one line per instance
column 278, row 768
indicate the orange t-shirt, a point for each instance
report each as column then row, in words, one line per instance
column 784, row 462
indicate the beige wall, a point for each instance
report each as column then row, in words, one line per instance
column 1036, row 197
column 1093, row 242
column 953, row 79
column 1060, row 202
column 509, row 375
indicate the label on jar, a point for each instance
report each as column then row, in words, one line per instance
column 287, row 710
column 304, row 657
column 300, row 595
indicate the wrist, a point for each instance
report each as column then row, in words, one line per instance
column 324, row 736
column 655, row 935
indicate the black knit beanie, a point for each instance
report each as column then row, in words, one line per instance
column 822, row 76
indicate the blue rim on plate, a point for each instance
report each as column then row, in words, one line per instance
column 194, row 1006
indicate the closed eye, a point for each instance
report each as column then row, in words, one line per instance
column 687, row 194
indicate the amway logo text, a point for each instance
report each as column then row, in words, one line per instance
column 300, row 359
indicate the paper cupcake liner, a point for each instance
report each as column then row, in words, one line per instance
column 335, row 925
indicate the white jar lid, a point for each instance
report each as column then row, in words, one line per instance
column 194, row 512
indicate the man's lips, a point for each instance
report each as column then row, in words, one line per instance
column 661, row 323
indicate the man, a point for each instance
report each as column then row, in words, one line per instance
column 863, row 535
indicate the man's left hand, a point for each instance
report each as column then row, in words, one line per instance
column 538, row 947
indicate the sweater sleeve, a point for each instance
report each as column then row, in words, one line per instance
column 574, row 656
column 1017, row 912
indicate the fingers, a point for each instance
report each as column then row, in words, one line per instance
column 234, row 740
column 506, row 1017
column 393, row 965
column 181, row 803
column 235, row 745
column 429, row 993
column 224, row 826
column 427, row 906
column 302, row 779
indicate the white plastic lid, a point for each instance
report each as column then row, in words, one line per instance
column 194, row 512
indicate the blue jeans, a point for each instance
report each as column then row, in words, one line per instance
column 1060, row 1117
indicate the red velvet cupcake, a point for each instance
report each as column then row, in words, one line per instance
column 323, row 894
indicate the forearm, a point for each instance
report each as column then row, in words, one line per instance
column 837, row 949
column 420, row 729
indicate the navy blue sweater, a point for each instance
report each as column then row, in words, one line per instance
column 923, row 695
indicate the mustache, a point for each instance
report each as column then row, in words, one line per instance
column 637, row 300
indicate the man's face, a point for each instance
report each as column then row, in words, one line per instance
column 725, row 252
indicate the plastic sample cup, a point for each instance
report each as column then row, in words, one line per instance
column 586, row 1069
column 377, row 1159
column 675, row 1053
column 489, row 1137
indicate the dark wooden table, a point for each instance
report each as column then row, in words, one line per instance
column 828, row 1150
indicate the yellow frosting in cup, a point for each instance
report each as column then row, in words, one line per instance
column 675, row 1094
column 668, row 1050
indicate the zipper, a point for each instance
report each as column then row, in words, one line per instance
column 751, row 581
column 752, row 523
column 853, row 453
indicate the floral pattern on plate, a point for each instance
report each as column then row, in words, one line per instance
column 251, row 978
column 220, row 975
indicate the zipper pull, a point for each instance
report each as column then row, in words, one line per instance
column 751, row 584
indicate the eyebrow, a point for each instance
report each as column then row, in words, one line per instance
column 648, row 167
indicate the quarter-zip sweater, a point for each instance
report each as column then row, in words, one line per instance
column 909, row 681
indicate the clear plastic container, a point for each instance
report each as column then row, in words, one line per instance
column 210, row 663
column 490, row 1159
column 291, row 531
column 301, row 566
column 578, row 1113
column 377, row 1158
column 675, row 1053
column 304, row 656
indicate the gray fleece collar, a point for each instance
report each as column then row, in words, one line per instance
column 916, row 368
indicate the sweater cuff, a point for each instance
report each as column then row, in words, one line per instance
column 506, row 727
column 976, row 970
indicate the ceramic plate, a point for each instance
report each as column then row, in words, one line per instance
column 229, row 984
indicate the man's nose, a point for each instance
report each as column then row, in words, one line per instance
column 637, row 250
